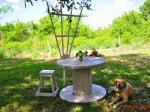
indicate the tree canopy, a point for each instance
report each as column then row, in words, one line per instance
column 145, row 9
column 65, row 3
column 5, row 9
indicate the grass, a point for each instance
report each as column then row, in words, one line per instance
column 19, row 80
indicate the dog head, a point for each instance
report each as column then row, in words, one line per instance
column 120, row 83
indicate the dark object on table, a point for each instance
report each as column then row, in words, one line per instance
column 94, row 53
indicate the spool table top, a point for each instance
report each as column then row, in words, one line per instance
column 88, row 62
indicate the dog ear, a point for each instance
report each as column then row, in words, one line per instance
column 125, row 83
column 115, row 81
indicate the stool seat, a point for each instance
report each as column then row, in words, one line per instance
column 47, row 73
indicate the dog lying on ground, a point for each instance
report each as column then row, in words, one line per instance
column 122, row 91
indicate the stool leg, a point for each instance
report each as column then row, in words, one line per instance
column 56, row 86
column 41, row 82
column 53, row 88
column 55, row 83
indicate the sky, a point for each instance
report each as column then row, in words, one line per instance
column 102, row 14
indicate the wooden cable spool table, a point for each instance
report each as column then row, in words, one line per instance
column 82, row 90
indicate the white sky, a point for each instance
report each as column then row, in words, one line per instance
column 104, row 11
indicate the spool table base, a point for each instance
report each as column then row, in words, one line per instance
column 98, row 92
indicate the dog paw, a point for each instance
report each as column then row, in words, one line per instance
column 111, row 104
column 114, row 106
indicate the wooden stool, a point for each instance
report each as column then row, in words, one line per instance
column 51, row 75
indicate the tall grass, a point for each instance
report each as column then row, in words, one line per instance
column 46, row 47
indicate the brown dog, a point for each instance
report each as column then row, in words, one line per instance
column 123, row 90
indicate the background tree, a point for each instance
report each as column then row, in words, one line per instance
column 5, row 9
column 145, row 9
